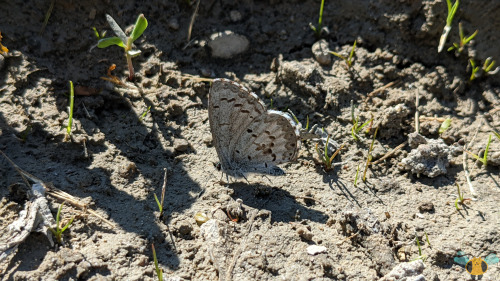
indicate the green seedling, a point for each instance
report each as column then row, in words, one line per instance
column 420, row 256
column 460, row 199
column 474, row 69
column 356, row 177
column 348, row 60
column 445, row 125
column 319, row 29
column 449, row 19
column 427, row 238
column 70, row 110
column 158, row 202
column 486, row 69
column 125, row 42
column 327, row 160
column 484, row 159
column 159, row 271
column 459, row 47
column 355, row 124
column 369, row 157
column 59, row 231
column 97, row 35
column 497, row 135
column 143, row 115
column 47, row 16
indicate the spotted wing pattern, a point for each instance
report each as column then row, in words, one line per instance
column 247, row 137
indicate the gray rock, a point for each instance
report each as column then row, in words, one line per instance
column 227, row 44
column 406, row 271
column 173, row 24
column 429, row 157
column 321, row 52
column 181, row 145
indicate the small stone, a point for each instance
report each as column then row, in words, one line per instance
column 181, row 145
column 235, row 16
column 127, row 170
column 173, row 24
column 227, row 44
column 321, row 52
column 207, row 140
column 205, row 72
column 184, row 228
column 174, row 109
column 2, row 62
column 305, row 234
column 426, row 207
column 315, row 249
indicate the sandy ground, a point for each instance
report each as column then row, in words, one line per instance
column 116, row 158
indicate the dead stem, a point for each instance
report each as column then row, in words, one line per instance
column 389, row 154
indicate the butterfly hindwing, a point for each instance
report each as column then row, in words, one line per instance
column 247, row 137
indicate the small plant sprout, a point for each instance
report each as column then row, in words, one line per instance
column 319, row 29
column 70, row 110
column 477, row 71
column 459, row 47
column 369, row 156
column 158, row 202
column 484, row 159
column 97, row 35
column 159, row 271
column 356, row 128
column 449, row 19
column 497, row 135
column 348, row 60
column 460, row 199
column 143, row 115
column 3, row 49
column 125, row 42
column 59, row 230
column 427, row 238
column 327, row 160
column 356, row 177
column 420, row 256
column 445, row 125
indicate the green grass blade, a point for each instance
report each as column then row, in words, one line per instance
column 67, row 225
column 140, row 25
column 485, row 157
column 160, row 207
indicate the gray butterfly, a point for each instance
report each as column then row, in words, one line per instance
column 248, row 138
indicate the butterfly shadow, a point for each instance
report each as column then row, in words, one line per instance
column 284, row 206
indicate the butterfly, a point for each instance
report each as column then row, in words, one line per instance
column 249, row 138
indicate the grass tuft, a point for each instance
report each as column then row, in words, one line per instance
column 58, row 231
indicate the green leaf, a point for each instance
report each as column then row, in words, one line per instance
column 116, row 29
column 106, row 42
column 445, row 125
column 140, row 25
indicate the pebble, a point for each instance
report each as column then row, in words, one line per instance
column 227, row 44
column 235, row 16
column 426, row 207
column 321, row 52
column 181, row 145
column 315, row 249
column 185, row 228
column 173, row 24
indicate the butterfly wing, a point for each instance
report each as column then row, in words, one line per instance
column 461, row 258
column 231, row 108
column 491, row 259
column 271, row 139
